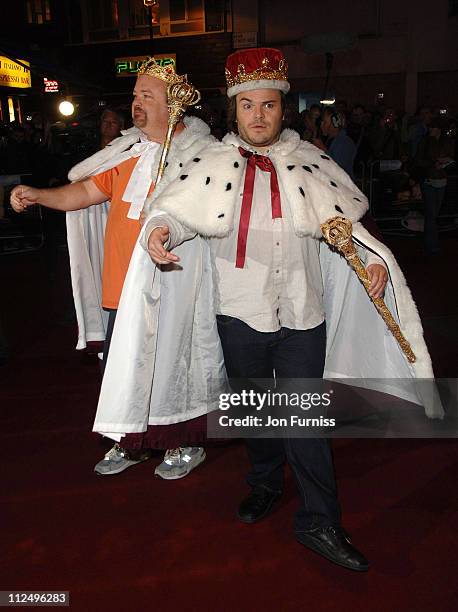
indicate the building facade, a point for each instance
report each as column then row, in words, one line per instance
column 404, row 52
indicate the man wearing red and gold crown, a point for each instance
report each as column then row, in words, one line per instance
column 284, row 301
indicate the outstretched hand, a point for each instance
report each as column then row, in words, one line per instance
column 23, row 196
column 156, row 241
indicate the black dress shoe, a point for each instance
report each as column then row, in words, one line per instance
column 257, row 505
column 334, row 544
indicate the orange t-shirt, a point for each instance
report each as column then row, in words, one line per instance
column 121, row 233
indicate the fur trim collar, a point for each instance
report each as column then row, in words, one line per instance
column 117, row 151
column 288, row 142
column 314, row 187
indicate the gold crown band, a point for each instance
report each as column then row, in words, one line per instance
column 166, row 73
column 265, row 72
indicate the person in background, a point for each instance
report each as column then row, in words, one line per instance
column 358, row 131
column 338, row 145
column 385, row 137
column 434, row 153
column 419, row 128
column 111, row 124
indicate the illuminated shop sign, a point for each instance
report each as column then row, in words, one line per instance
column 128, row 66
column 13, row 74
column 50, row 86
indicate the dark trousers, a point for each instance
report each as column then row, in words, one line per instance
column 106, row 345
column 292, row 354
column 432, row 200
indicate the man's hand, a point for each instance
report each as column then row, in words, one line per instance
column 23, row 196
column 378, row 277
column 156, row 241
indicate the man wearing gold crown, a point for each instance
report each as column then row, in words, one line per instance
column 283, row 300
column 123, row 173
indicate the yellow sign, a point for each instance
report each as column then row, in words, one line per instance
column 13, row 74
column 128, row 66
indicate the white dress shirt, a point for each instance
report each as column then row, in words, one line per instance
column 280, row 284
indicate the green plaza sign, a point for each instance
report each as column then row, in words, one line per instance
column 128, row 66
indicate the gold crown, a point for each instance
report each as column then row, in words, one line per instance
column 166, row 73
column 265, row 72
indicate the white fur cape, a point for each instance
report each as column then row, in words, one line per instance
column 165, row 363
column 203, row 199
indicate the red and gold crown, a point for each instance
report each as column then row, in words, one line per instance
column 166, row 73
column 261, row 68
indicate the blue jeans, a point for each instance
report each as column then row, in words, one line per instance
column 293, row 354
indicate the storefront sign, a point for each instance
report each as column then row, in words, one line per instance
column 128, row 66
column 13, row 74
column 50, row 86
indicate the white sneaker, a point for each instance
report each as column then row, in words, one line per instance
column 178, row 462
column 119, row 459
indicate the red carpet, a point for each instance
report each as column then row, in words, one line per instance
column 131, row 542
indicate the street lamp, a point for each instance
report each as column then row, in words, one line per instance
column 66, row 108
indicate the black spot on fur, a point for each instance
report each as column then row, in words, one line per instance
column 302, row 192
column 183, row 176
column 180, row 164
column 316, row 166
column 338, row 209
column 208, row 180
column 228, row 187
column 324, row 157
column 357, row 199
column 166, row 164
column 236, row 164
column 290, row 167
column 333, row 184
column 307, row 168
column 221, row 216
column 196, row 159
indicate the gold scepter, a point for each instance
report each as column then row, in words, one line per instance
column 179, row 96
column 337, row 233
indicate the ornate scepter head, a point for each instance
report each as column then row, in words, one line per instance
column 180, row 95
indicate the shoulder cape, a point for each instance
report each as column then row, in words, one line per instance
column 86, row 228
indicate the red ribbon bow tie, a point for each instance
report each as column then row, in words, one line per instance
column 265, row 164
